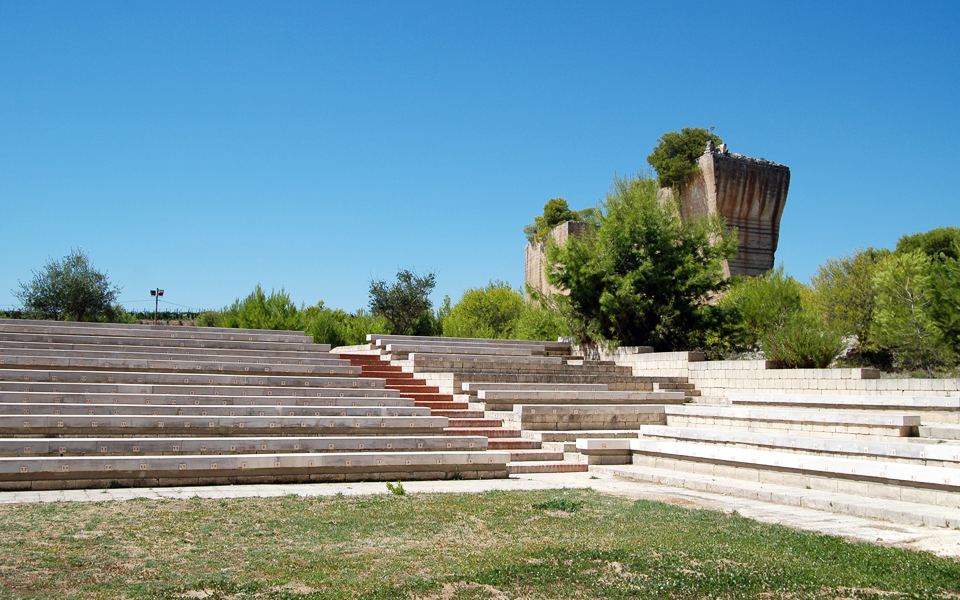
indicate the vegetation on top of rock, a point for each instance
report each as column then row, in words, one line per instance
column 555, row 212
column 676, row 154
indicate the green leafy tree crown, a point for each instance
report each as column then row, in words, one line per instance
column 676, row 154
column 69, row 288
column 404, row 304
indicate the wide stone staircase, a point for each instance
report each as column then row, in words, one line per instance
column 533, row 399
column 97, row 405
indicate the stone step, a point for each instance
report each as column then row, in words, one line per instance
column 250, row 410
column 517, row 468
column 426, row 396
column 100, row 446
column 841, row 424
column 571, row 436
column 512, row 444
column 406, row 384
column 835, row 502
column 63, row 365
column 467, row 422
column 535, row 455
column 202, row 349
column 857, row 401
column 22, row 473
column 868, row 478
column 331, row 398
column 940, row 432
column 468, row 360
column 442, row 404
column 934, row 455
column 457, row 414
column 381, row 339
column 185, row 378
column 490, row 432
column 69, row 425
column 506, row 401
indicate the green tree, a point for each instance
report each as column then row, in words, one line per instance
column 845, row 295
column 487, row 312
column 934, row 243
column 802, row 342
column 555, row 211
column 904, row 321
column 675, row 157
column 403, row 303
column 69, row 288
column 339, row 328
column 644, row 275
column 945, row 309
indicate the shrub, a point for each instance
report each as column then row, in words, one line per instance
column 404, row 303
column 539, row 322
column 69, row 288
column 339, row 328
column 762, row 304
column 555, row 212
column 802, row 342
column 207, row 318
column 260, row 311
column 487, row 312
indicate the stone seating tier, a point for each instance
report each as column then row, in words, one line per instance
column 851, row 425
column 326, row 397
column 379, row 340
column 194, row 410
column 166, row 350
column 101, row 446
column 452, row 383
column 580, row 417
column 448, row 350
column 185, row 378
column 140, row 329
column 935, row 409
column 471, row 359
column 153, row 365
column 123, row 342
column 472, row 388
column 152, row 471
column 424, row 366
column 933, row 455
column 509, row 399
column 181, row 354
column 140, row 332
column 124, row 425
column 227, row 391
column 868, row 478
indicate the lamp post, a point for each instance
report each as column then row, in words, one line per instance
column 156, row 305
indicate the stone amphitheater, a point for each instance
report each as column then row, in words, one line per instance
column 88, row 405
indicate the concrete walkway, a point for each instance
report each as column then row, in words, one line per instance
column 943, row 542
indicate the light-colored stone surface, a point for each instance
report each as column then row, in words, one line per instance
column 535, row 256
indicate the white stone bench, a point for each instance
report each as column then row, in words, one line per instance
column 507, row 399
column 854, row 425
column 163, row 343
column 177, row 354
column 20, row 473
column 472, row 388
column 852, row 401
column 381, row 339
column 169, row 350
column 143, row 332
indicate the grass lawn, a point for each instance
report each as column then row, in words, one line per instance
column 546, row 544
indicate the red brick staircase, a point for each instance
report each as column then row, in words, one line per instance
column 526, row 456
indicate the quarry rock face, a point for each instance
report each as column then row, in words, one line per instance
column 749, row 193
column 534, row 275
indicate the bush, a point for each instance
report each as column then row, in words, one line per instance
column 487, row 312
column 207, row 319
column 761, row 304
column 260, row 311
column 405, row 304
column 339, row 328
column 802, row 342
column 555, row 212
column 541, row 323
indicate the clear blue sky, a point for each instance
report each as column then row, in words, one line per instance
column 206, row 147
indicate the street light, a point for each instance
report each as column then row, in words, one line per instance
column 156, row 306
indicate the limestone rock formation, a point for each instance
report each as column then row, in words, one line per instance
column 749, row 193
